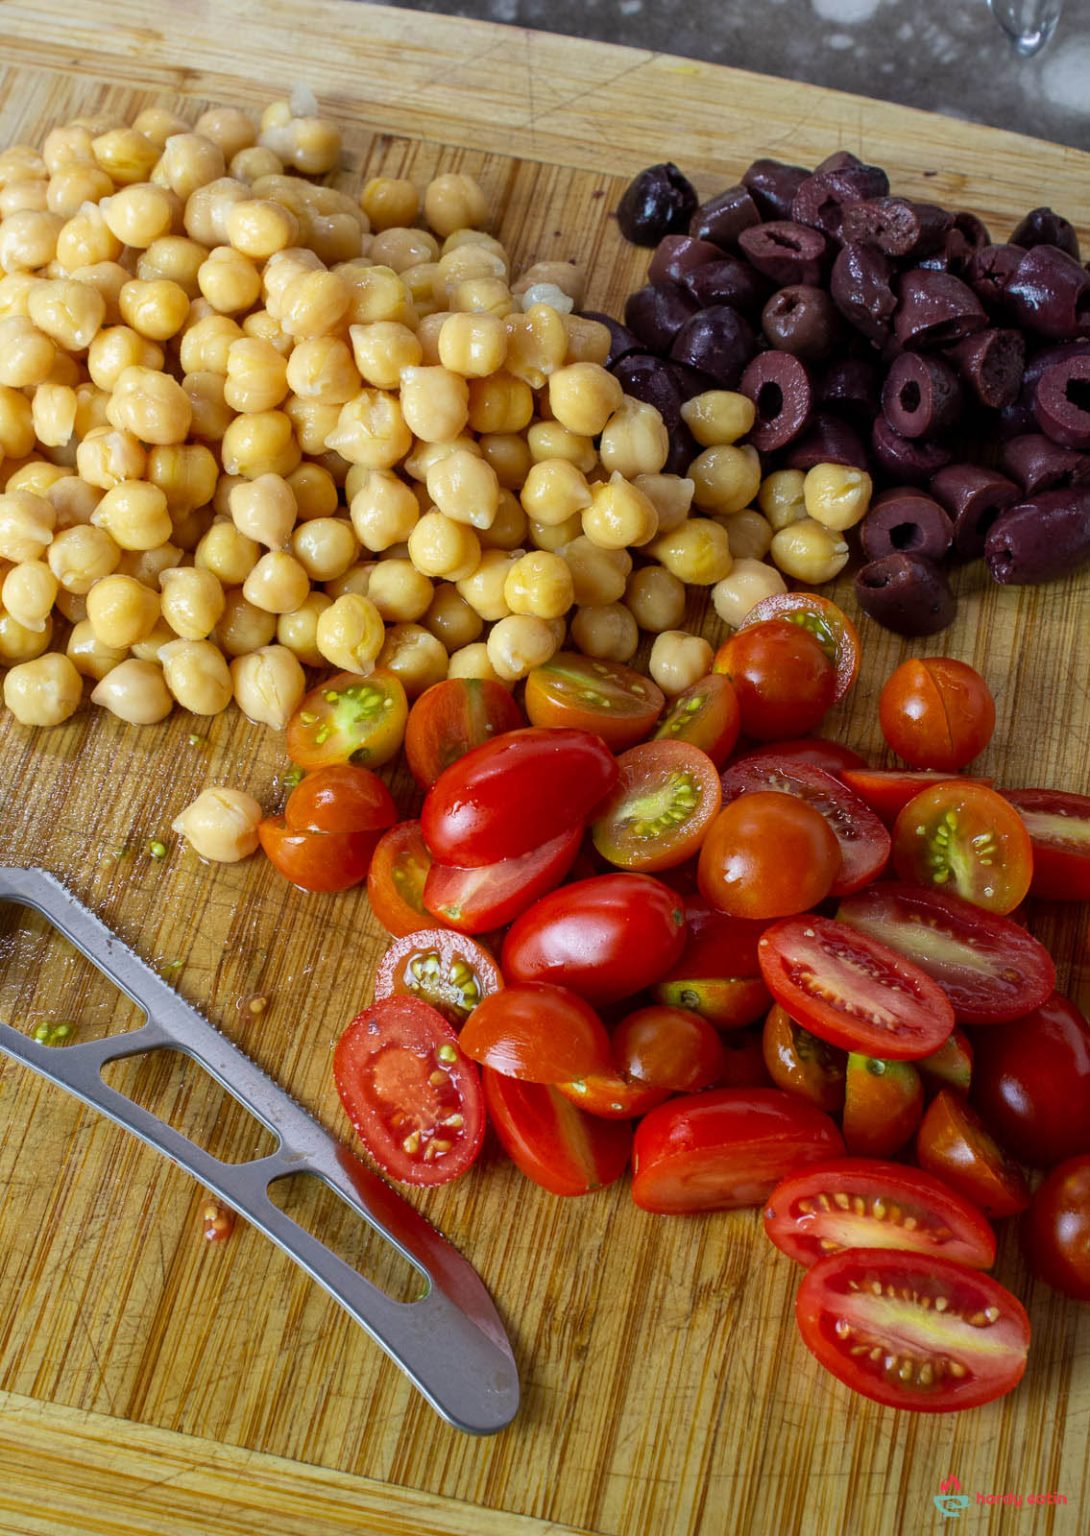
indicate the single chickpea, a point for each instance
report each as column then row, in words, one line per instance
column 678, row 660
column 26, row 197
column 598, row 575
column 389, row 202
column 697, row 551
column 20, row 417
column 52, row 417
column 230, row 128
column 465, row 488
column 205, row 347
column 451, row 619
column 85, row 238
column 26, row 354
column 107, row 456
column 749, row 533
column 383, row 510
column 126, row 155
column 259, row 227
column 509, row 456
column 357, row 579
column 66, row 145
column 607, row 633
column 119, row 347
column 186, row 473
column 539, row 583
column 314, row 304
column 122, row 611
column 69, row 313
column 472, row 661
column 74, row 501
column 157, row 124
column 382, row 349
column 277, row 583
column 211, row 415
column 549, row 440
column 221, row 824
column 260, row 443
column 269, row 685
column 28, row 593
column 583, row 397
column 315, row 491
column 372, row 430
column 499, row 402
column 156, row 309
column 80, row 556
column 134, row 691
column 21, row 162
column 322, row 368
column 311, row 145
column 809, row 552
column 350, row 633
column 537, row 344
column 518, row 644
column 196, row 674
column 836, row 495
column 45, row 691
column 148, row 565
column 656, row 599
column 243, row 628
column 619, row 515
column 28, row 240
column 478, row 295
column 257, row 376
column 554, row 491
column 152, row 406
column 298, row 631
column 88, row 654
column 589, row 341
column 725, row 478
column 419, row 462
column 399, row 591
column 420, row 283
column 18, row 644
column 571, row 281
column 634, row 440
column 135, row 515
column 188, row 162
column 15, row 291
column 415, row 655
column 107, row 278
column 173, row 259
column 749, row 583
column 192, row 602
column 325, row 547
column 473, row 345
column 254, row 162
column 229, row 281
column 27, row 522
column 376, row 293
column 206, row 210
column 781, row 498
column 441, row 548
column 454, row 201
column 399, row 248
column 139, row 214
column 314, row 423
column 227, row 554
column 484, row 588
column 719, row 416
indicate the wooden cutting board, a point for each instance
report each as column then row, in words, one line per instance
column 156, row 1384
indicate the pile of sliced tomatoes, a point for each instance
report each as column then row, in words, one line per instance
column 688, row 939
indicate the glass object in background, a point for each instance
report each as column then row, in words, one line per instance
column 1028, row 23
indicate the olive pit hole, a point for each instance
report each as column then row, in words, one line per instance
column 910, row 396
column 769, row 400
column 906, row 536
column 1078, row 393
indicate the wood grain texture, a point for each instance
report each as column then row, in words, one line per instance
column 664, row 1388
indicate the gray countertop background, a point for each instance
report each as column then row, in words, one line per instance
column 941, row 55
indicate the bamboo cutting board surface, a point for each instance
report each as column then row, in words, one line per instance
column 153, row 1383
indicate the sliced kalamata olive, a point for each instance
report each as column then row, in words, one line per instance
column 861, row 286
column 1061, row 402
column 974, row 498
column 622, row 341
column 780, row 388
column 822, row 198
column 906, row 593
column 911, row 460
column 717, row 341
column 851, row 385
column 827, row 440
column 657, row 312
column 723, row 217
column 1039, row 464
column 728, row 281
column 1050, row 294
column 905, row 521
column 772, row 186
column 675, row 255
column 654, row 381
column 992, row 364
column 1043, row 227
column 1041, row 539
column 659, row 201
column 803, row 320
column 921, row 396
column 786, row 251
column 934, row 310
column 990, row 272
column 897, row 226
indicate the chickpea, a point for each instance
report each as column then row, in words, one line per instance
column 441, row 548
column 192, row 602
column 21, row 162
column 837, row 495
column 550, row 440
column 228, row 127
column 696, row 551
column 253, row 162
column 26, row 526
column 243, row 628
column 419, row 462
column 257, row 376
column 140, row 214
column 28, row 240
column 45, row 691
column 313, row 422
column 399, row 591
column 321, row 368
column 672, row 496
column 119, row 347
column 66, row 145
column 298, row 631
column 148, row 565
column 315, row 491
column 74, row 501
column 350, row 633
column 749, row 583
column 152, row 406
column 465, row 488
column 454, row 201
column 415, row 656
column 619, row 515
column 519, row 643
column 420, row 282
column 135, row 515
column 156, row 309
column 571, row 280
column 554, row 491
column 26, row 354
column 18, row 644
column 85, row 239
column 608, row 632
column 451, row 619
column 384, row 510
column 598, row 575
column 221, row 824
column 80, row 556
column 725, row 478
column 277, row 583
column 68, row 312
column 15, row 291
column 583, row 397
column 122, row 611
column 269, row 685
column 157, row 125
column 28, row 593
column 356, row 579
column 52, row 417
column 509, row 456
column 399, row 248
column 308, row 144
column 196, row 674
column 809, row 552
column 134, row 691
column 207, row 208
column 473, row 345
column 107, row 278
column 749, row 533
column 260, row 443
column 229, row 280
column 537, row 344
column 314, row 304
column 678, row 660
column 325, row 547
column 211, row 415
column 719, row 416
column 227, row 553
column 173, row 259
column 126, row 155
column 372, row 430
column 376, row 293
column 473, row 661
column 206, row 346
column 541, row 584
column 656, row 599
column 483, row 590
column 389, row 202
column 17, row 420
column 88, row 654
column 634, row 440
column 781, row 498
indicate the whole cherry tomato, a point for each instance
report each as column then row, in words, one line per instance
column 668, row 1048
column 883, row 1103
column 1057, row 1229
column 318, row 861
column 767, row 855
column 1032, row 1083
column 784, row 681
column 936, row 713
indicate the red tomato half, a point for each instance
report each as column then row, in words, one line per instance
column 859, row 1202
column 853, row 991
column 606, row 938
column 413, row 1097
column 1059, row 829
column 1032, row 1083
column 725, row 1148
column 493, row 895
column 966, row 839
column 450, row 972
column 318, row 861
column 451, row 718
column 829, row 625
column 954, row 1144
column 349, row 719
column 664, row 801
column 706, row 716
column 833, row 756
column 340, row 798
column 395, row 881
column 888, row 790
column 538, row 1033
column 611, row 1096
column 550, row 1140
column 516, row 792
column 989, row 967
column 936, row 713
column 864, row 841
column 588, row 693
column 913, row 1330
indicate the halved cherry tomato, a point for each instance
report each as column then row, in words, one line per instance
column 318, row 861
column 349, row 719
column 951, row 1066
column 668, row 1048
column 662, row 805
column 725, row 1148
column 768, row 855
column 395, row 881
column 913, row 1330
column 803, row 1064
column 539, row 1033
column 936, row 712
column 450, row 972
column 612, row 1097
column 853, row 991
column 888, row 790
column 340, row 798
column 1032, row 1083
column 989, row 967
column 706, row 715
column 1057, row 1229
column 493, row 895
column 606, row 938
column 966, row 839
column 883, row 1105
column 514, row 793
column 829, row 625
column 861, row 1202
column 832, row 756
column 450, row 718
column 550, row 1140
column 718, row 975
column 412, row 1095
column 784, row 681
column 864, row 841
column 1059, row 830
column 953, row 1143
column 588, row 694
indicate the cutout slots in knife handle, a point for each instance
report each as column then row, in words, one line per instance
column 450, row 1343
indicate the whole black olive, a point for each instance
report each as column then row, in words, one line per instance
column 728, row 281
column 1043, row 227
column 723, row 217
column 772, row 186
column 1041, row 539
column 659, row 201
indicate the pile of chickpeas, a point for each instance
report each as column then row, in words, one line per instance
column 250, row 424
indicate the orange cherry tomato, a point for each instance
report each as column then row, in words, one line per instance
column 395, row 880
column 349, row 719
column 883, row 1104
column 768, row 855
column 616, row 702
column 658, row 813
column 784, row 681
column 936, row 713
column 967, row 840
